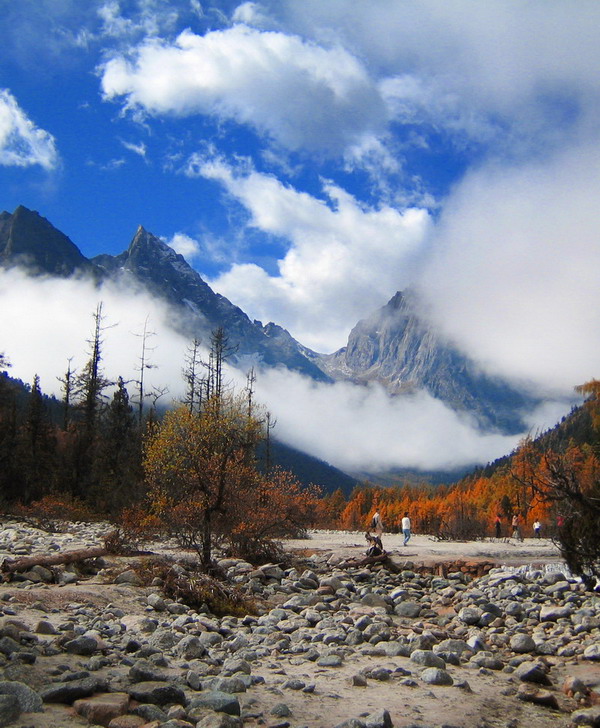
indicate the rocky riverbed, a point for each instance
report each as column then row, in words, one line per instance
column 330, row 645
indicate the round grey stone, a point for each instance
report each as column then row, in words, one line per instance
column 29, row 700
column 532, row 672
column 428, row 659
column 435, row 676
column 128, row 577
column 521, row 643
column 408, row 609
column 218, row 701
column 81, row 646
column 329, row 661
column 587, row 716
column 470, row 615
column 159, row 693
column 592, row 652
column 281, row 710
column 9, row 709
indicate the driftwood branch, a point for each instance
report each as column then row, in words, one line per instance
column 9, row 566
column 366, row 560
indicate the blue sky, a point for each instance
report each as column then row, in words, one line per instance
column 311, row 158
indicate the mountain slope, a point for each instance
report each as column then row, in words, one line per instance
column 398, row 349
column 395, row 346
column 167, row 275
column 29, row 241
column 311, row 470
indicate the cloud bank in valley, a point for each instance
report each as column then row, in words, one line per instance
column 55, row 322
column 357, row 428
column 362, row 428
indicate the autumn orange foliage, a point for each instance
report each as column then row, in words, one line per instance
column 466, row 509
column 205, row 488
column 275, row 506
column 538, row 482
column 52, row 512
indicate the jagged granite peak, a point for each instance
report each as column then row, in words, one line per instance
column 29, row 241
column 397, row 347
column 154, row 262
column 166, row 274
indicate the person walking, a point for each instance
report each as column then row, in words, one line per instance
column 406, row 528
column 516, row 528
column 537, row 527
column 377, row 523
column 498, row 524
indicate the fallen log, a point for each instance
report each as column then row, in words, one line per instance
column 9, row 566
column 366, row 560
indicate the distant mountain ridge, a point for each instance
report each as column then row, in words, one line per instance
column 395, row 346
column 29, row 241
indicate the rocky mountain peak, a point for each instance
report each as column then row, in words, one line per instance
column 396, row 346
column 167, row 275
column 400, row 349
column 28, row 240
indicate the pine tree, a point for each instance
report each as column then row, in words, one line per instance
column 195, row 383
column 36, row 450
column 91, row 384
column 118, row 472
column 11, row 484
column 142, row 366
column 69, row 384
column 220, row 351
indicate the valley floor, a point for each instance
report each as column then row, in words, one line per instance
column 295, row 684
column 427, row 550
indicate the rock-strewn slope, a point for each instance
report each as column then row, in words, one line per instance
column 332, row 646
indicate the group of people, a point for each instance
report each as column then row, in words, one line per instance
column 374, row 535
column 516, row 527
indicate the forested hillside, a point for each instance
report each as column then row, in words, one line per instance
column 540, row 480
column 86, row 447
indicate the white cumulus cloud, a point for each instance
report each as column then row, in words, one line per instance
column 300, row 94
column 185, row 245
column 485, row 71
column 22, row 143
column 344, row 258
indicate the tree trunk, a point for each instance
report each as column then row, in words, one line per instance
column 9, row 566
column 206, row 555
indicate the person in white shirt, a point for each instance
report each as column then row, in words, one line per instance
column 406, row 528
